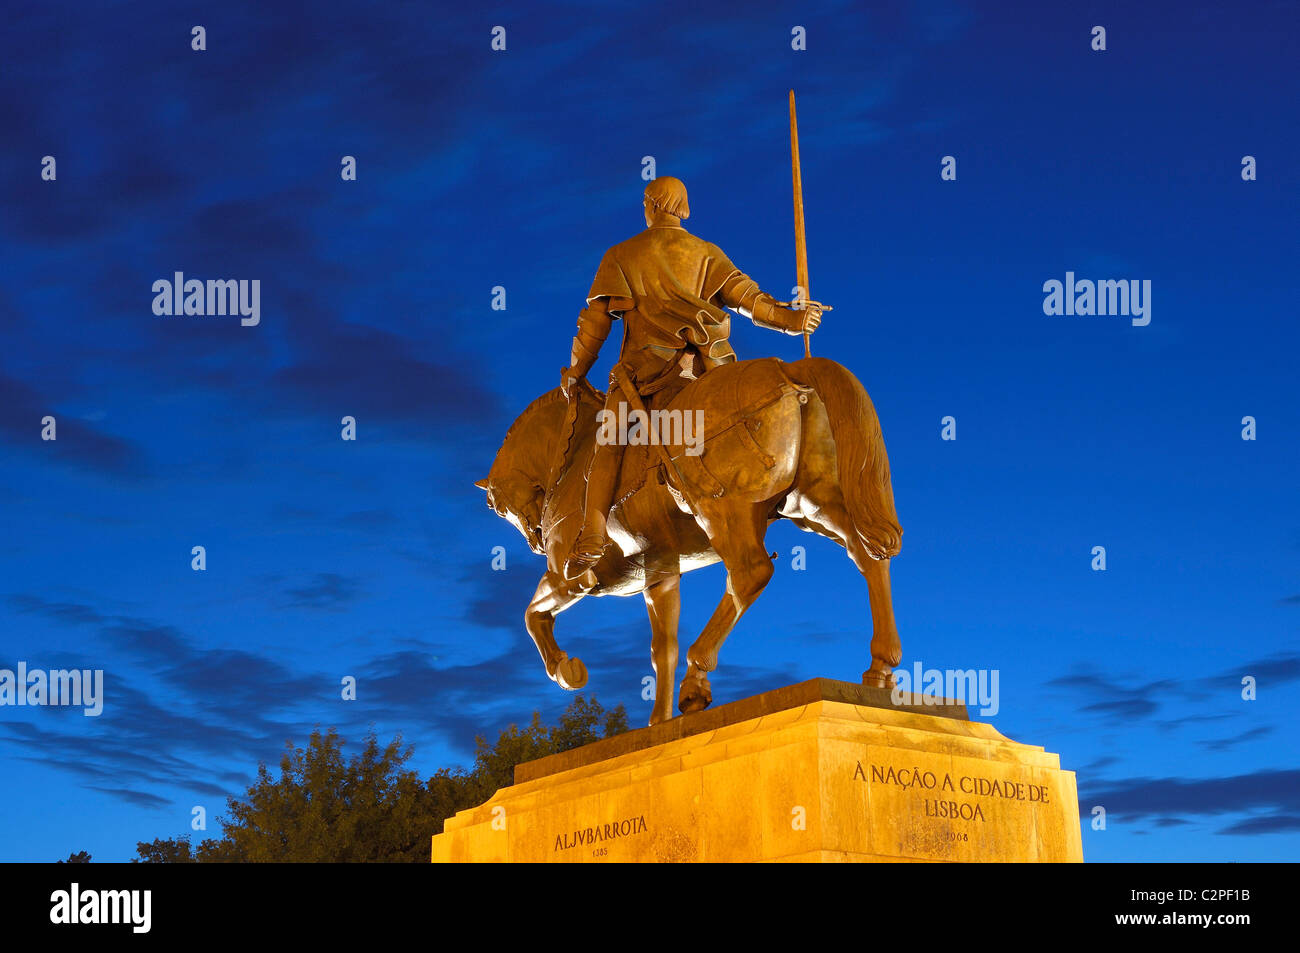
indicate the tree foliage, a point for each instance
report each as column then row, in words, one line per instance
column 324, row 808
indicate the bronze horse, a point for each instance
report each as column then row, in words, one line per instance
column 797, row 441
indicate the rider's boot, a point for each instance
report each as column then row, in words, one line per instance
column 593, row 538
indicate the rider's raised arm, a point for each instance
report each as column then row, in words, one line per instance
column 741, row 293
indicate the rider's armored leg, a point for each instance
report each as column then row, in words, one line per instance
column 602, row 479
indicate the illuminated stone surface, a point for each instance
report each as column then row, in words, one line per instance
column 820, row 771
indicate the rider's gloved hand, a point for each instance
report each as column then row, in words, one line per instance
column 805, row 319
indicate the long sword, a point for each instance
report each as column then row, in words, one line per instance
column 800, row 240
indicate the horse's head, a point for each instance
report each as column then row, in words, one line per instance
column 517, row 483
column 517, row 498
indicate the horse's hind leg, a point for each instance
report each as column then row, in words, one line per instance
column 554, row 595
column 886, row 649
column 832, row 520
column 737, row 536
column 663, row 604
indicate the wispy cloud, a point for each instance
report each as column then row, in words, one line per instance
column 328, row 590
column 1276, row 792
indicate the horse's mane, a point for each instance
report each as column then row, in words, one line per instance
column 585, row 395
column 550, row 397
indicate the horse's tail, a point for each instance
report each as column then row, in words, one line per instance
column 860, row 451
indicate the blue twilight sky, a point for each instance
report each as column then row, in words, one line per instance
column 479, row 169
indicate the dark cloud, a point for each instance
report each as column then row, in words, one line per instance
column 1185, row 720
column 1272, row 795
column 66, row 612
column 1227, row 744
column 228, row 703
column 1118, row 700
column 328, row 590
column 1096, row 766
column 132, row 214
column 1268, row 824
column 195, row 703
column 148, row 641
column 234, row 682
column 78, row 444
column 138, row 798
column 1269, row 672
column 458, row 701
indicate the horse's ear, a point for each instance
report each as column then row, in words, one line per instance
column 481, row 484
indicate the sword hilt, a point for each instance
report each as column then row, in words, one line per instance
column 799, row 304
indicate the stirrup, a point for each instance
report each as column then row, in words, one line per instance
column 587, row 551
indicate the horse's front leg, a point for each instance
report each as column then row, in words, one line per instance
column 663, row 604
column 554, row 594
column 736, row 531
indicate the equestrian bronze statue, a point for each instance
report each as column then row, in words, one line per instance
column 691, row 454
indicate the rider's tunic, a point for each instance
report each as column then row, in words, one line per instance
column 671, row 290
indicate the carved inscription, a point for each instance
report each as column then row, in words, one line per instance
column 599, row 834
column 964, row 797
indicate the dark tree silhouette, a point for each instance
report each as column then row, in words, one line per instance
column 323, row 808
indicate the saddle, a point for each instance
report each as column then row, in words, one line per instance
column 722, row 412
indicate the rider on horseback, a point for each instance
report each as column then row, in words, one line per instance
column 670, row 289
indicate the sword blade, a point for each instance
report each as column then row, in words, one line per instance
column 800, row 240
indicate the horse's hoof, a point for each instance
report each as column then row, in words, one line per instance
column 878, row 678
column 696, row 695
column 571, row 674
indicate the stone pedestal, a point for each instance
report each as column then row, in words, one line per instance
column 819, row 771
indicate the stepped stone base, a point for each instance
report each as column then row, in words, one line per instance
column 819, row 771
